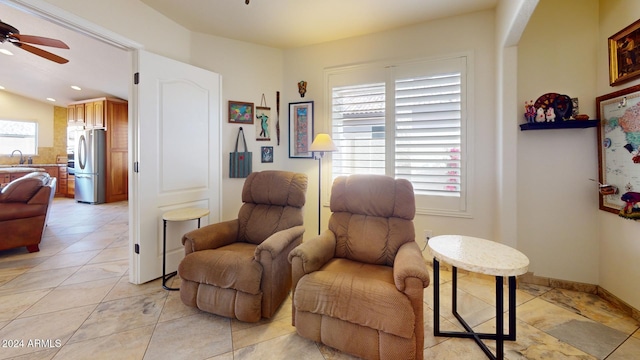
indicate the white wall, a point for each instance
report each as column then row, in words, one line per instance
column 619, row 238
column 15, row 107
column 135, row 21
column 557, row 203
column 511, row 19
column 473, row 33
column 248, row 71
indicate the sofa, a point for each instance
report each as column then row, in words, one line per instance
column 24, row 208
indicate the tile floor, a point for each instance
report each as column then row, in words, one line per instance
column 72, row 300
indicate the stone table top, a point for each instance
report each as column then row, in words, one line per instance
column 185, row 214
column 479, row 255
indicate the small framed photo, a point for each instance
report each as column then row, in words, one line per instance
column 300, row 129
column 266, row 154
column 624, row 54
column 240, row 112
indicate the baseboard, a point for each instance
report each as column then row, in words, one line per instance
column 629, row 310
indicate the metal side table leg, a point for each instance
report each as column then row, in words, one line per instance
column 166, row 276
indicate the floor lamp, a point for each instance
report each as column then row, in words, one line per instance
column 320, row 145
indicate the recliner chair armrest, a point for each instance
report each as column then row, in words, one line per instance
column 409, row 263
column 211, row 236
column 279, row 241
column 316, row 252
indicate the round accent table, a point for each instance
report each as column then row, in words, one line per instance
column 183, row 214
column 484, row 257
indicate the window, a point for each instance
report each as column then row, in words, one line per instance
column 18, row 135
column 407, row 121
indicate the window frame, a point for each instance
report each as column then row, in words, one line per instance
column 389, row 72
column 27, row 152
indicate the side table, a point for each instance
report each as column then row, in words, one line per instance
column 183, row 214
column 484, row 257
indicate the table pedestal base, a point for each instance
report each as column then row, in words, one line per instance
column 499, row 336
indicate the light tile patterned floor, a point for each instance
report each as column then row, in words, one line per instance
column 72, row 300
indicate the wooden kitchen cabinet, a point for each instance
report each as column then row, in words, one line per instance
column 117, row 157
column 60, row 173
column 112, row 115
column 55, row 171
column 62, row 181
column 71, row 186
column 4, row 179
column 75, row 115
column 94, row 114
column 17, row 175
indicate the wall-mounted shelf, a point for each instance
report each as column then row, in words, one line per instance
column 568, row 124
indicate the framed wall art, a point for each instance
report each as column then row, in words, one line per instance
column 240, row 112
column 624, row 54
column 300, row 129
column 266, row 154
column 619, row 152
column 263, row 118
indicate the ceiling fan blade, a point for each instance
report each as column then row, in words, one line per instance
column 39, row 40
column 43, row 53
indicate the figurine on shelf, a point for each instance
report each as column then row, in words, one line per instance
column 540, row 115
column 529, row 111
column 630, row 211
column 550, row 115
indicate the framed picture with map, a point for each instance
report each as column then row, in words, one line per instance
column 619, row 151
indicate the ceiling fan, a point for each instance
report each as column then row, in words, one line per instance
column 13, row 36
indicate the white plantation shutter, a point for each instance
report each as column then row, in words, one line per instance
column 408, row 121
column 358, row 129
column 428, row 134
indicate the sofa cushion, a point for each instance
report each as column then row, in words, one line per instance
column 362, row 294
column 22, row 189
column 228, row 267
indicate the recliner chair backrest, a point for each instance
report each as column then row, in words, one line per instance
column 273, row 201
column 372, row 217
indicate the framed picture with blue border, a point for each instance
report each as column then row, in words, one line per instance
column 300, row 129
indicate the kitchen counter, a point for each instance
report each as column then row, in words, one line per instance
column 19, row 169
column 29, row 165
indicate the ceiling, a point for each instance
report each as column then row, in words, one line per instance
column 103, row 70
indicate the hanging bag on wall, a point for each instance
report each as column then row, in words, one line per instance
column 240, row 161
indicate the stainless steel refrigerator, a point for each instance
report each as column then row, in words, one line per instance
column 90, row 166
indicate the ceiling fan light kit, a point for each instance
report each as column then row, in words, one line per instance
column 10, row 34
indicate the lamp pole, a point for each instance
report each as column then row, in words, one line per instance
column 320, row 144
column 320, row 154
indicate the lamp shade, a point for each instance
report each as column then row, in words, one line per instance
column 323, row 142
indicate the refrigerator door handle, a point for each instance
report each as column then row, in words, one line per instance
column 82, row 151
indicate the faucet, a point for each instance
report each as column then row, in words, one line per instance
column 21, row 158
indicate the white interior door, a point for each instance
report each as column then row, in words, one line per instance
column 175, row 155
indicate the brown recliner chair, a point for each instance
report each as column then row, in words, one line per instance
column 358, row 287
column 239, row 268
column 24, row 209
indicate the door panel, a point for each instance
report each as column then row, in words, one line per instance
column 176, row 137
